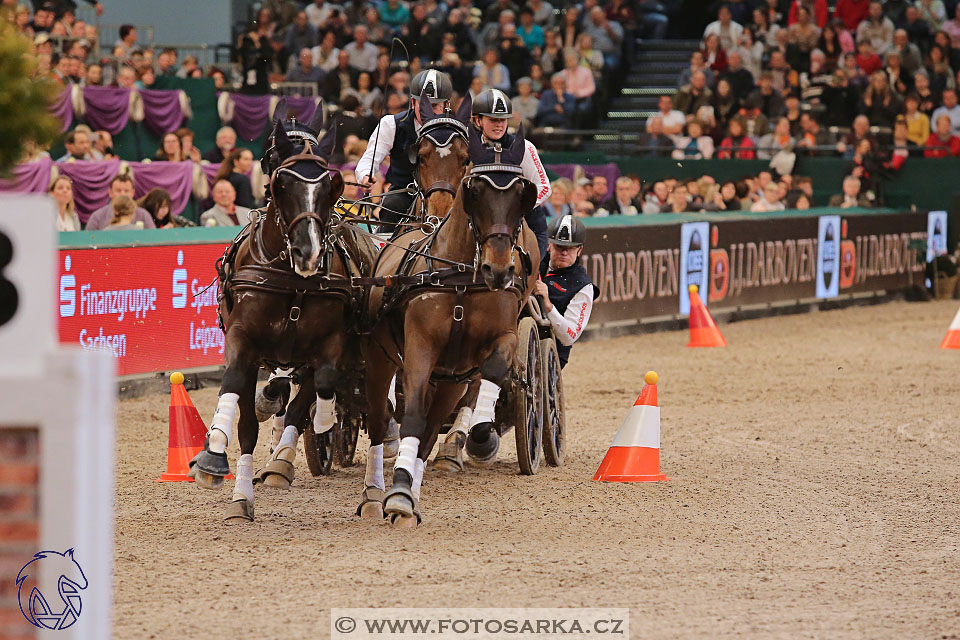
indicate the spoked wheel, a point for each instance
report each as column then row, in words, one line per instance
column 554, row 417
column 345, row 440
column 318, row 448
column 527, row 398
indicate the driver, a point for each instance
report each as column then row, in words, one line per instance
column 395, row 135
column 492, row 111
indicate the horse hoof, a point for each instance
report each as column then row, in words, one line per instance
column 278, row 473
column 276, row 481
column 239, row 511
column 371, row 511
column 450, row 454
column 404, row 522
column 483, row 442
column 371, row 503
column 265, row 406
column 206, row 480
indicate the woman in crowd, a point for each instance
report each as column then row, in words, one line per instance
column 552, row 56
column 170, row 148
column 62, row 191
column 830, row 45
column 725, row 198
column 570, row 28
column 941, row 74
column 187, row 150
column 917, row 122
column 736, row 144
column 713, row 54
column 366, row 94
column 725, row 106
column 694, row 145
column 158, row 203
column 124, row 210
column 678, row 201
column 235, row 170
column 559, row 202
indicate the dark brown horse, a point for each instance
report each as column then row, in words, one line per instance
column 287, row 299
column 449, row 311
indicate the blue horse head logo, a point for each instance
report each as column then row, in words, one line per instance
column 35, row 607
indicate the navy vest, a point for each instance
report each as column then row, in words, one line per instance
column 400, row 173
column 562, row 285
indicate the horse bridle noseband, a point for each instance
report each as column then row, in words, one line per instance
column 285, row 167
column 482, row 172
column 430, row 130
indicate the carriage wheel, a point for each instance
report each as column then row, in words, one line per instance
column 318, row 448
column 528, row 398
column 554, row 411
column 345, row 440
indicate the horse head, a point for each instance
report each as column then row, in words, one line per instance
column 440, row 156
column 304, row 192
column 495, row 198
column 299, row 133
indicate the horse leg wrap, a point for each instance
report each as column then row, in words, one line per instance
column 462, row 423
column 277, row 431
column 222, row 428
column 486, row 403
column 243, row 487
column 417, row 478
column 374, row 475
column 288, row 443
column 407, row 457
column 326, row 415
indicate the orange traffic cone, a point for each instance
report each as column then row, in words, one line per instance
column 703, row 329
column 187, row 432
column 634, row 454
column 952, row 339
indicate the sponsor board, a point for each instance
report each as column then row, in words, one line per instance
column 694, row 261
column 936, row 234
column 828, row 255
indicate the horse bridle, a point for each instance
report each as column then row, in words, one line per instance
column 430, row 131
column 286, row 228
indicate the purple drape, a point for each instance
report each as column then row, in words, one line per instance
column 210, row 171
column 175, row 177
column 610, row 171
column 303, row 108
column 31, row 177
column 250, row 115
column 91, row 183
column 161, row 110
column 62, row 108
column 107, row 108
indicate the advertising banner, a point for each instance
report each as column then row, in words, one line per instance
column 828, row 250
column 936, row 234
column 694, row 261
column 151, row 307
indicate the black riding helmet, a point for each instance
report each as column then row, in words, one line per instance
column 436, row 84
column 493, row 103
column 566, row 231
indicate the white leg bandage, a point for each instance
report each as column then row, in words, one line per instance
column 407, row 457
column 374, row 475
column 462, row 423
column 326, row 415
column 417, row 477
column 277, row 431
column 392, row 394
column 243, row 487
column 221, row 431
column 289, row 437
column 486, row 402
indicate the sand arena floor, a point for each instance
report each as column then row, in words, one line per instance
column 813, row 493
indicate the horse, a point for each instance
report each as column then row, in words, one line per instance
column 288, row 299
column 447, row 307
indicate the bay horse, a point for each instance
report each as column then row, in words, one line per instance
column 287, row 300
column 447, row 307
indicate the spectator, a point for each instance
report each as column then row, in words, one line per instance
column 189, row 151
column 579, row 83
column 860, row 133
column 225, row 212
column 917, row 29
column 325, row 55
column 525, row 105
column 725, row 106
column 570, row 28
column 121, row 185
column 714, row 57
column 305, row 72
column 170, row 148
column 868, row 62
column 917, row 122
column 751, row 52
column 607, row 36
column 158, row 204
column 190, row 65
column 167, row 62
column 951, row 109
column 769, row 100
column 124, row 215
column 340, row 78
column 851, row 196
column 369, row 98
column 724, row 199
column 819, row 8
column 226, row 142
column 542, row 12
column 551, row 55
column 938, row 64
column 933, row 13
column 811, row 135
column 622, row 201
column 236, row 170
column 677, row 202
column 557, row 107
column 102, row 145
column 127, row 41
column 694, row 95
column 285, row 11
column 655, row 197
column 696, row 64
column 736, row 144
column 755, row 123
column 654, row 143
column 910, row 58
column 394, row 14
column 530, row 32
column 899, row 80
column 599, row 189
column 559, row 202
column 877, row 29
column 879, row 103
column 802, row 38
column 589, row 56
column 493, row 31
column 77, row 144
column 929, row 99
column 513, row 54
column 61, row 189
column 770, row 200
column 776, row 141
column 363, row 54
column 694, row 145
column 741, row 82
column 942, row 143
column 671, row 119
column 952, row 29
column 724, row 28
column 852, row 12
column 492, row 73
column 317, row 13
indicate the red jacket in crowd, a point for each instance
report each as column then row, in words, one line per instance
column 744, row 144
column 852, row 12
column 953, row 144
column 820, row 12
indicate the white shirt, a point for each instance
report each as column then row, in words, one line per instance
column 318, row 15
column 569, row 326
column 729, row 37
column 363, row 58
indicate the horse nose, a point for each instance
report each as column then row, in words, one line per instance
column 296, row 254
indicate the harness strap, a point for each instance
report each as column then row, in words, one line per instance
column 452, row 353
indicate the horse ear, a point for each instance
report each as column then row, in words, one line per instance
column 281, row 141
column 515, row 153
column 316, row 120
column 528, row 199
column 426, row 109
column 465, row 109
column 327, row 142
column 280, row 112
column 476, row 150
